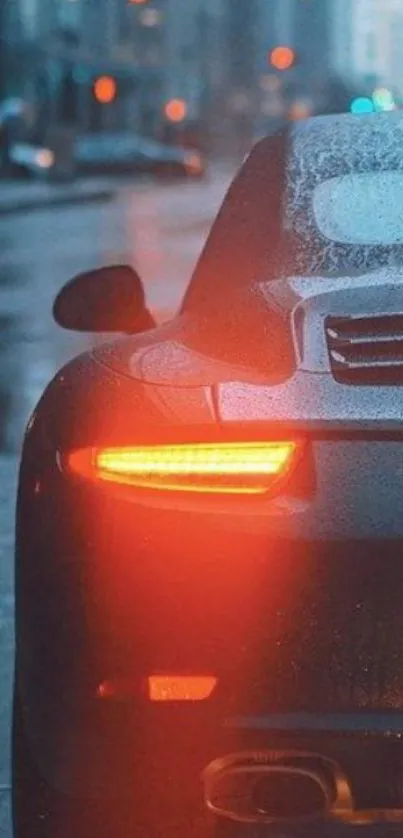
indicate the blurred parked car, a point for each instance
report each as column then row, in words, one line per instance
column 130, row 153
column 22, row 154
column 29, row 160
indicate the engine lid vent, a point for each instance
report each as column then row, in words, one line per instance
column 366, row 349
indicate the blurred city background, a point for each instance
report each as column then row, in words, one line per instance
column 209, row 74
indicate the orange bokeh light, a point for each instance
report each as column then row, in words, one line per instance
column 175, row 110
column 282, row 58
column 105, row 89
column 138, row 2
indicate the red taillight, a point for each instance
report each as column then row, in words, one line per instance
column 234, row 468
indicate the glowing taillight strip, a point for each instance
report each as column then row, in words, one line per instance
column 242, row 468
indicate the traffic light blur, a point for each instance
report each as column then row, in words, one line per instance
column 175, row 110
column 105, row 89
column 282, row 58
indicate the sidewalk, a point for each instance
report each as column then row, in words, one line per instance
column 23, row 196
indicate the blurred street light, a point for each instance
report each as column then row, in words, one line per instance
column 282, row 58
column 175, row 110
column 137, row 2
column 105, row 89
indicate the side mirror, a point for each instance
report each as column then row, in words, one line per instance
column 107, row 299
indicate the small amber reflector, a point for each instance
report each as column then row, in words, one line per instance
column 240, row 468
column 180, row 687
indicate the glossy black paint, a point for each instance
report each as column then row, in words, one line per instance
column 103, row 300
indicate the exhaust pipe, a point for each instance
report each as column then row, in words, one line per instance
column 271, row 787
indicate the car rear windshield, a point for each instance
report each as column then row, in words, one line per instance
column 361, row 209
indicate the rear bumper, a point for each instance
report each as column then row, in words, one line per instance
column 300, row 624
column 304, row 638
column 156, row 762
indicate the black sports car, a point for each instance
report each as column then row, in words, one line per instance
column 209, row 574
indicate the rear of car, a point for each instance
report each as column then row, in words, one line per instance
column 219, row 633
column 193, row 638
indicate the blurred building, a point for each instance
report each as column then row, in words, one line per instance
column 273, row 27
column 37, row 17
column 369, row 24
column 342, row 21
column 367, row 41
column 158, row 50
column 303, row 25
column 311, row 38
column 17, row 57
column 242, row 51
column 301, row 28
column 193, row 51
column 242, row 26
column 196, row 51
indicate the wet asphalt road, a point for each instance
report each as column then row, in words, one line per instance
column 160, row 230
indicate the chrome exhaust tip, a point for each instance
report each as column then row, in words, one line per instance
column 272, row 787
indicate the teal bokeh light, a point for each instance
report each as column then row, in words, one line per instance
column 362, row 105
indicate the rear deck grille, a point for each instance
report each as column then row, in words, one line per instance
column 366, row 349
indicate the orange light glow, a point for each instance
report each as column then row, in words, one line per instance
column 194, row 164
column 105, row 89
column 45, row 158
column 282, row 58
column 232, row 468
column 175, row 110
column 181, row 687
column 138, row 2
column 299, row 110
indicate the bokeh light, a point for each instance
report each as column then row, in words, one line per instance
column 105, row 89
column 362, row 105
column 383, row 99
column 282, row 58
column 175, row 110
